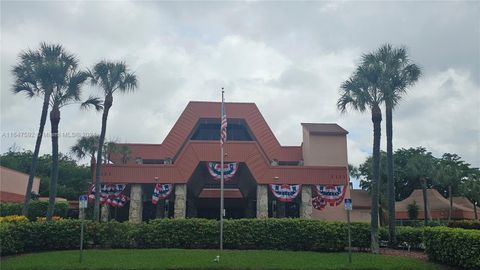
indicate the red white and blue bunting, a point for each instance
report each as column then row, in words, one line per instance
column 110, row 194
column 285, row 192
column 328, row 194
column 229, row 170
column 161, row 192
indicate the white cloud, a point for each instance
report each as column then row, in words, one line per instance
column 288, row 58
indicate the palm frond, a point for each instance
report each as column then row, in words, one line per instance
column 95, row 102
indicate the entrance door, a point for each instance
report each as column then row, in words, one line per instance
column 210, row 208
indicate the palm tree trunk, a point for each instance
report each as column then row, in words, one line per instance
column 425, row 201
column 92, row 165
column 107, row 104
column 33, row 166
column 376, row 119
column 54, row 121
column 451, row 203
column 390, row 180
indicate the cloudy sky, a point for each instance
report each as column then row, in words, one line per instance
column 288, row 58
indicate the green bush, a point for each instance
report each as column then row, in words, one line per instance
column 453, row 246
column 465, row 224
column 285, row 234
column 36, row 209
column 412, row 236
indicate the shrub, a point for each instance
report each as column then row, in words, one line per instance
column 412, row 210
column 412, row 236
column 465, row 224
column 36, row 209
column 286, row 234
column 453, row 246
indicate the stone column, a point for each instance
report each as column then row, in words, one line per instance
column 180, row 207
column 306, row 203
column 136, row 204
column 262, row 201
column 105, row 213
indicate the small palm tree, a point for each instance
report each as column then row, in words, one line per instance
column 110, row 77
column 66, row 91
column 450, row 171
column 471, row 189
column 420, row 167
column 124, row 152
column 361, row 92
column 86, row 146
column 36, row 74
column 397, row 74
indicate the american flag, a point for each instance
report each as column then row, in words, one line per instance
column 223, row 124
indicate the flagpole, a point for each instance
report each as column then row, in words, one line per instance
column 222, row 211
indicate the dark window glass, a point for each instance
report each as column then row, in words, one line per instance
column 211, row 132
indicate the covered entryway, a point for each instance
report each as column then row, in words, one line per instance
column 203, row 200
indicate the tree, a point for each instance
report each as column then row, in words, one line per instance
column 419, row 168
column 86, row 145
column 66, row 91
column 412, row 210
column 36, row 74
column 124, row 152
column 72, row 177
column 110, row 77
column 471, row 189
column 450, row 172
column 397, row 74
column 361, row 92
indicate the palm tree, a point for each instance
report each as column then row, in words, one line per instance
column 124, row 152
column 36, row 74
column 361, row 92
column 420, row 167
column 65, row 92
column 110, row 77
column 451, row 170
column 397, row 74
column 86, row 145
column 471, row 189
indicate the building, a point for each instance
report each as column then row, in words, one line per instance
column 13, row 185
column 263, row 178
column 438, row 206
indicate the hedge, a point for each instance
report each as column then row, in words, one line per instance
column 280, row 234
column 453, row 246
column 35, row 209
column 465, row 224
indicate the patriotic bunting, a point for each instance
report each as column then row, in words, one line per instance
column 161, row 192
column 285, row 192
column 110, row 194
column 229, row 170
column 328, row 194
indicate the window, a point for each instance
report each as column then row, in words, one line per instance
column 209, row 130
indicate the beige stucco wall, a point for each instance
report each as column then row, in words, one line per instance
column 16, row 182
column 324, row 150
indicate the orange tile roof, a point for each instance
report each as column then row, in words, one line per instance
column 257, row 154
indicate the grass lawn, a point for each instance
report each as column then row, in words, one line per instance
column 203, row 259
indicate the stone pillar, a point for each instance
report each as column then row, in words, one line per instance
column 180, row 207
column 105, row 213
column 306, row 203
column 136, row 204
column 262, row 201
